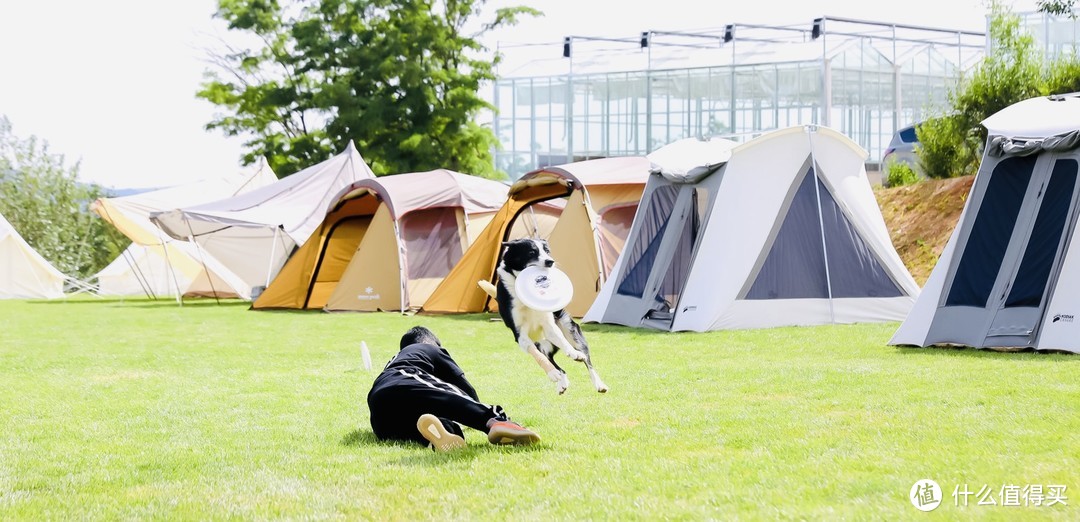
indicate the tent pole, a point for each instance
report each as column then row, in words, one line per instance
column 810, row 130
column 203, row 261
column 270, row 262
column 172, row 272
column 133, row 266
column 403, row 283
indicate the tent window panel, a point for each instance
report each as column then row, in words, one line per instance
column 854, row 270
column 432, row 243
column 640, row 261
column 795, row 265
column 990, row 234
column 1042, row 247
column 614, row 228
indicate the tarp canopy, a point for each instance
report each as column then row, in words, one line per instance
column 585, row 230
column 253, row 233
column 1009, row 277
column 147, row 266
column 785, row 231
column 386, row 242
column 24, row 274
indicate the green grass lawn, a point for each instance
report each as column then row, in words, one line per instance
column 146, row 410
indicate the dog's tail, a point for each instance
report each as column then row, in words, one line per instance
column 488, row 288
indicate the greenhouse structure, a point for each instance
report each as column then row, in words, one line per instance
column 605, row 97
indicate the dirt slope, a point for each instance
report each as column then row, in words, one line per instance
column 921, row 218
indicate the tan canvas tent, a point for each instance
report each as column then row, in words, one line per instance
column 158, row 265
column 601, row 197
column 386, row 243
column 24, row 274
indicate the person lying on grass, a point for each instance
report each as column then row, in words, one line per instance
column 422, row 395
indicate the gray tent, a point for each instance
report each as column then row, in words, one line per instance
column 784, row 230
column 1010, row 274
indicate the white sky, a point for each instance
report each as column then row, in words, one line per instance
column 112, row 83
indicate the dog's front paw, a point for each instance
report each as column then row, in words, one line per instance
column 562, row 384
column 560, row 380
column 576, row 355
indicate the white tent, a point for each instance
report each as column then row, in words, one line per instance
column 254, row 233
column 780, row 230
column 158, row 265
column 1010, row 274
column 24, row 274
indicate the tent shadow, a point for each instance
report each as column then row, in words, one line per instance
column 146, row 302
column 1023, row 354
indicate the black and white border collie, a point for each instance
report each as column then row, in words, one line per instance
column 540, row 334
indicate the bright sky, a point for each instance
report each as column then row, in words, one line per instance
column 112, row 83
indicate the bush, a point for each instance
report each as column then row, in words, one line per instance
column 900, row 174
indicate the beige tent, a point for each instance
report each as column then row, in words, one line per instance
column 386, row 243
column 24, row 274
column 158, row 265
column 601, row 197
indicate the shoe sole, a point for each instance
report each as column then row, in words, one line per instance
column 431, row 428
column 507, row 435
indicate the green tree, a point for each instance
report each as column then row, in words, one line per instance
column 399, row 77
column 1057, row 7
column 1013, row 70
column 40, row 196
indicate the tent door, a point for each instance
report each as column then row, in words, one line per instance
column 999, row 287
column 672, row 265
column 1022, row 304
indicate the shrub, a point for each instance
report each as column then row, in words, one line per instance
column 900, row 174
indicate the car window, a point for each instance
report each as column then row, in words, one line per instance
column 908, row 135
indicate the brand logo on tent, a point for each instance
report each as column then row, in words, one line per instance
column 1065, row 318
column 368, row 295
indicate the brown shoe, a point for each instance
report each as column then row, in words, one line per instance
column 433, row 430
column 506, row 432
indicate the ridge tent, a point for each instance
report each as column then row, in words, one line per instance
column 24, row 274
column 252, row 234
column 386, row 243
column 586, row 235
column 1010, row 274
column 156, row 264
column 784, row 230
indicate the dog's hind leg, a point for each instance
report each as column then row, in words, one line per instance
column 572, row 331
column 554, row 333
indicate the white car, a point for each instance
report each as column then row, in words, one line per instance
column 902, row 149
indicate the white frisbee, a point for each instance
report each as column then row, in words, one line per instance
column 544, row 289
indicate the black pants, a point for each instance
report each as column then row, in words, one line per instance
column 398, row 399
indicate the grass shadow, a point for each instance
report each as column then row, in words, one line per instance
column 425, row 456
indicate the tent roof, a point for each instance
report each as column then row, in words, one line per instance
column 404, row 193
column 1037, row 117
column 690, row 159
column 131, row 214
column 625, row 170
column 296, row 204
